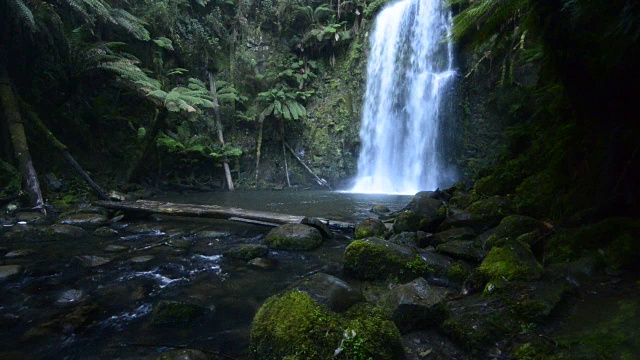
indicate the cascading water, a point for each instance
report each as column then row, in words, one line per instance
column 409, row 69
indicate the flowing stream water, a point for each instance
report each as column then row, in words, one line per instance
column 96, row 297
column 409, row 69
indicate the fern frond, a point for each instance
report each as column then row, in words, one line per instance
column 22, row 12
column 133, row 24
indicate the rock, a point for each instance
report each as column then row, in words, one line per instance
column 453, row 234
column 116, row 196
column 374, row 258
column 369, row 228
column 319, row 225
column 183, row 354
column 19, row 253
column 115, row 248
column 247, row 251
column 406, row 221
column 31, row 217
column 419, row 239
column 510, row 262
column 438, row 263
column 212, row 234
column 293, row 237
column 70, row 296
column 263, row 263
column 457, row 219
column 105, row 232
column 537, row 301
column 424, row 205
column 510, row 228
column 9, row 271
column 487, row 213
column 53, row 182
column 380, row 209
column 461, row 249
column 416, row 304
column 327, row 290
column 63, row 232
column 77, row 320
column 171, row 312
column 294, row 326
column 142, row 259
column 89, row 261
column 84, row 220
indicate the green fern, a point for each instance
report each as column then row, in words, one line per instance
column 23, row 13
column 133, row 25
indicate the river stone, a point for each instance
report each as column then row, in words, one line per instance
column 453, row 234
column 115, row 248
column 172, row 312
column 31, row 217
column 263, row 263
column 319, row 225
column 9, row 271
column 462, row 249
column 75, row 321
column 246, row 251
column 438, row 263
column 293, row 237
column 330, row 291
column 416, row 304
column 487, row 213
column 380, row 209
column 183, row 354
column 84, row 220
column 423, row 204
column 419, row 239
column 64, row 232
column 89, row 261
column 105, row 232
column 369, row 228
column 375, row 258
column 70, row 296
column 20, row 253
column 510, row 228
column 406, row 221
column 212, row 234
column 142, row 259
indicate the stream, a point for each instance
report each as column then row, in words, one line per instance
column 99, row 296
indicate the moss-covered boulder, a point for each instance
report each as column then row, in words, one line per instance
column 337, row 295
column 380, row 209
column 64, row 232
column 419, row 239
column 293, row 237
column 513, row 261
column 510, row 228
column 428, row 208
column 374, row 258
column 294, row 326
column 487, row 213
column 172, row 312
column 406, row 221
column 369, row 228
column 416, row 304
column 319, row 225
column 246, row 251
column 462, row 249
column 462, row 233
column 440, row 265
column 535, row 195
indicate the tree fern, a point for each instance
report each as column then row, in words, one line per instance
column 133, row 25
column 22, row 12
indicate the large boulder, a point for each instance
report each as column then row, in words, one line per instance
column 337, row 295
column 510, row 228
column 374, row 258
column 369, row 228
column 426, row 205
column 406, row 221
column 487, row 213
column 513, row 261
column 416, row 304
column 295, row 326
column 453, row 234
column 419, row 239
column 319, row 225
column 440, row 265
column 462, row 249
column 293, row 237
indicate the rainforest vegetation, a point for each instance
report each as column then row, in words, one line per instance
column 117, row 99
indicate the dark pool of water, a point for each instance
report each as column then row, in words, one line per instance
column 112, row 309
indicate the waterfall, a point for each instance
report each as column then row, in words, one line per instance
column 408, row 71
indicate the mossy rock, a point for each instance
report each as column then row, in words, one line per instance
column 462, row 249
column 380, row 209
column 172, row 312
column 327, row 290
column 246, row 251
column 513, row 261
column 510, row 228
column 536, row 195
column 406, row 221
column 487, row 213
column 461, row 201
column 374, row 258
column 419, row 239
column 453, row 234
column 369, row 228
column 293, row 237
column 294, row 326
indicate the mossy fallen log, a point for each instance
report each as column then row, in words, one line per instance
column 214, row 211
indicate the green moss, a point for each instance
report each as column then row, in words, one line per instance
column 374, row 259
column 406, row 221
column 510, row 262
column 533, row 351
column 537, row 195
column 369, row 228
column 458, row 273
column 418, row 267
column 371, row 336
column 510, row 228
column 489, row 211
column 247, row 251
column 170, row 312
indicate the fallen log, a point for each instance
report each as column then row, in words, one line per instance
column 213, row 211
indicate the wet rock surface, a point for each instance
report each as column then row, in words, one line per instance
column 330, row 291
column 293, row 237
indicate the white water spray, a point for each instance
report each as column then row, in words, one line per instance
column 409, row 69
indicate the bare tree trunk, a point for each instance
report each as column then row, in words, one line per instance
column 320, row 181
column 258, row 146
column 40, row 126
column 216, row 110
column 19, row 141
column 286, row 167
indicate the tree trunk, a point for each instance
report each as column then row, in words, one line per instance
column 216, row 110
column 19, row 140
column 258, row 146
column 34, row 119
column 286, row 167
column 320, row 181
column 137, row 169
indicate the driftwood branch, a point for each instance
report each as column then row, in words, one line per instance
column 213, row 211
column 320, row 181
